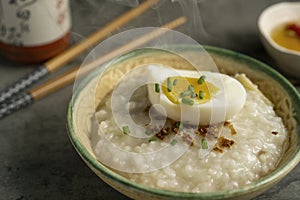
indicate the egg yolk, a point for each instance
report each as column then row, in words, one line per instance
column 191, row 90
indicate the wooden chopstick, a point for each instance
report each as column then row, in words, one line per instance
column 66, row 56
column 61, row 59
column 68, row 77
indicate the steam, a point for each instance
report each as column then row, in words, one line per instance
column 191, row 9
column 196, row 29
column 130, row 3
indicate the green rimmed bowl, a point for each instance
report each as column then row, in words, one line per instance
column 286, row 101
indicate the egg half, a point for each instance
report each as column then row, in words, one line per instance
column 194, row 97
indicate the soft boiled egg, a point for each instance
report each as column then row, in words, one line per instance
column 194, row 97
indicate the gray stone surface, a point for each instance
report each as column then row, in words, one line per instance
column 37, row 160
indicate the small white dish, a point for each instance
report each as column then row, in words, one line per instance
column 288, row 60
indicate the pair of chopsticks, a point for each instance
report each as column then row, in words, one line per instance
column 58, row 61
column 20, row 101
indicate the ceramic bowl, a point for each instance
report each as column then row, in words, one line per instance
column 278, row 14
column 286, row 101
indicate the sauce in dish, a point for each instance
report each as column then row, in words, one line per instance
column 287, row 35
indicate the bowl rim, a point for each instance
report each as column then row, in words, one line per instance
column 267, row 36
column 263, row 182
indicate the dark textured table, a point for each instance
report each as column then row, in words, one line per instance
column 36, row 156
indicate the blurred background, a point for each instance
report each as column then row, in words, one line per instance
column 36, row 156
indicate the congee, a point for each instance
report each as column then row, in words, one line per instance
column 185, row 130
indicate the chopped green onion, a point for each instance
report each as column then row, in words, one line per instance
column 169, row 84
column 179, row 125
column 148, row 132
column 126, row 130
column 193, row 95
column 191, row 88
column 204, row 144
column 173, row 142
column 185, row 93
column 157, row 88
column 201, row 79
column 201, row 94
column 175, row 81
column 153, row 139
column 187, row 101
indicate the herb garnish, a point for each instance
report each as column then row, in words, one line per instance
column 157, row 88
column 179, row 125
column 153, row 139
column 193, row 95
column 187, row 101
column 175, row 81
column 185, row 93
column 201, row 94
column 126, row 130
column 204, row 143
column 169, row 84
column 191, row 88
column 173, row 142
column 148, row 132
column 201, row 79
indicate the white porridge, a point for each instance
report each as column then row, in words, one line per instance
column 250, row 146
